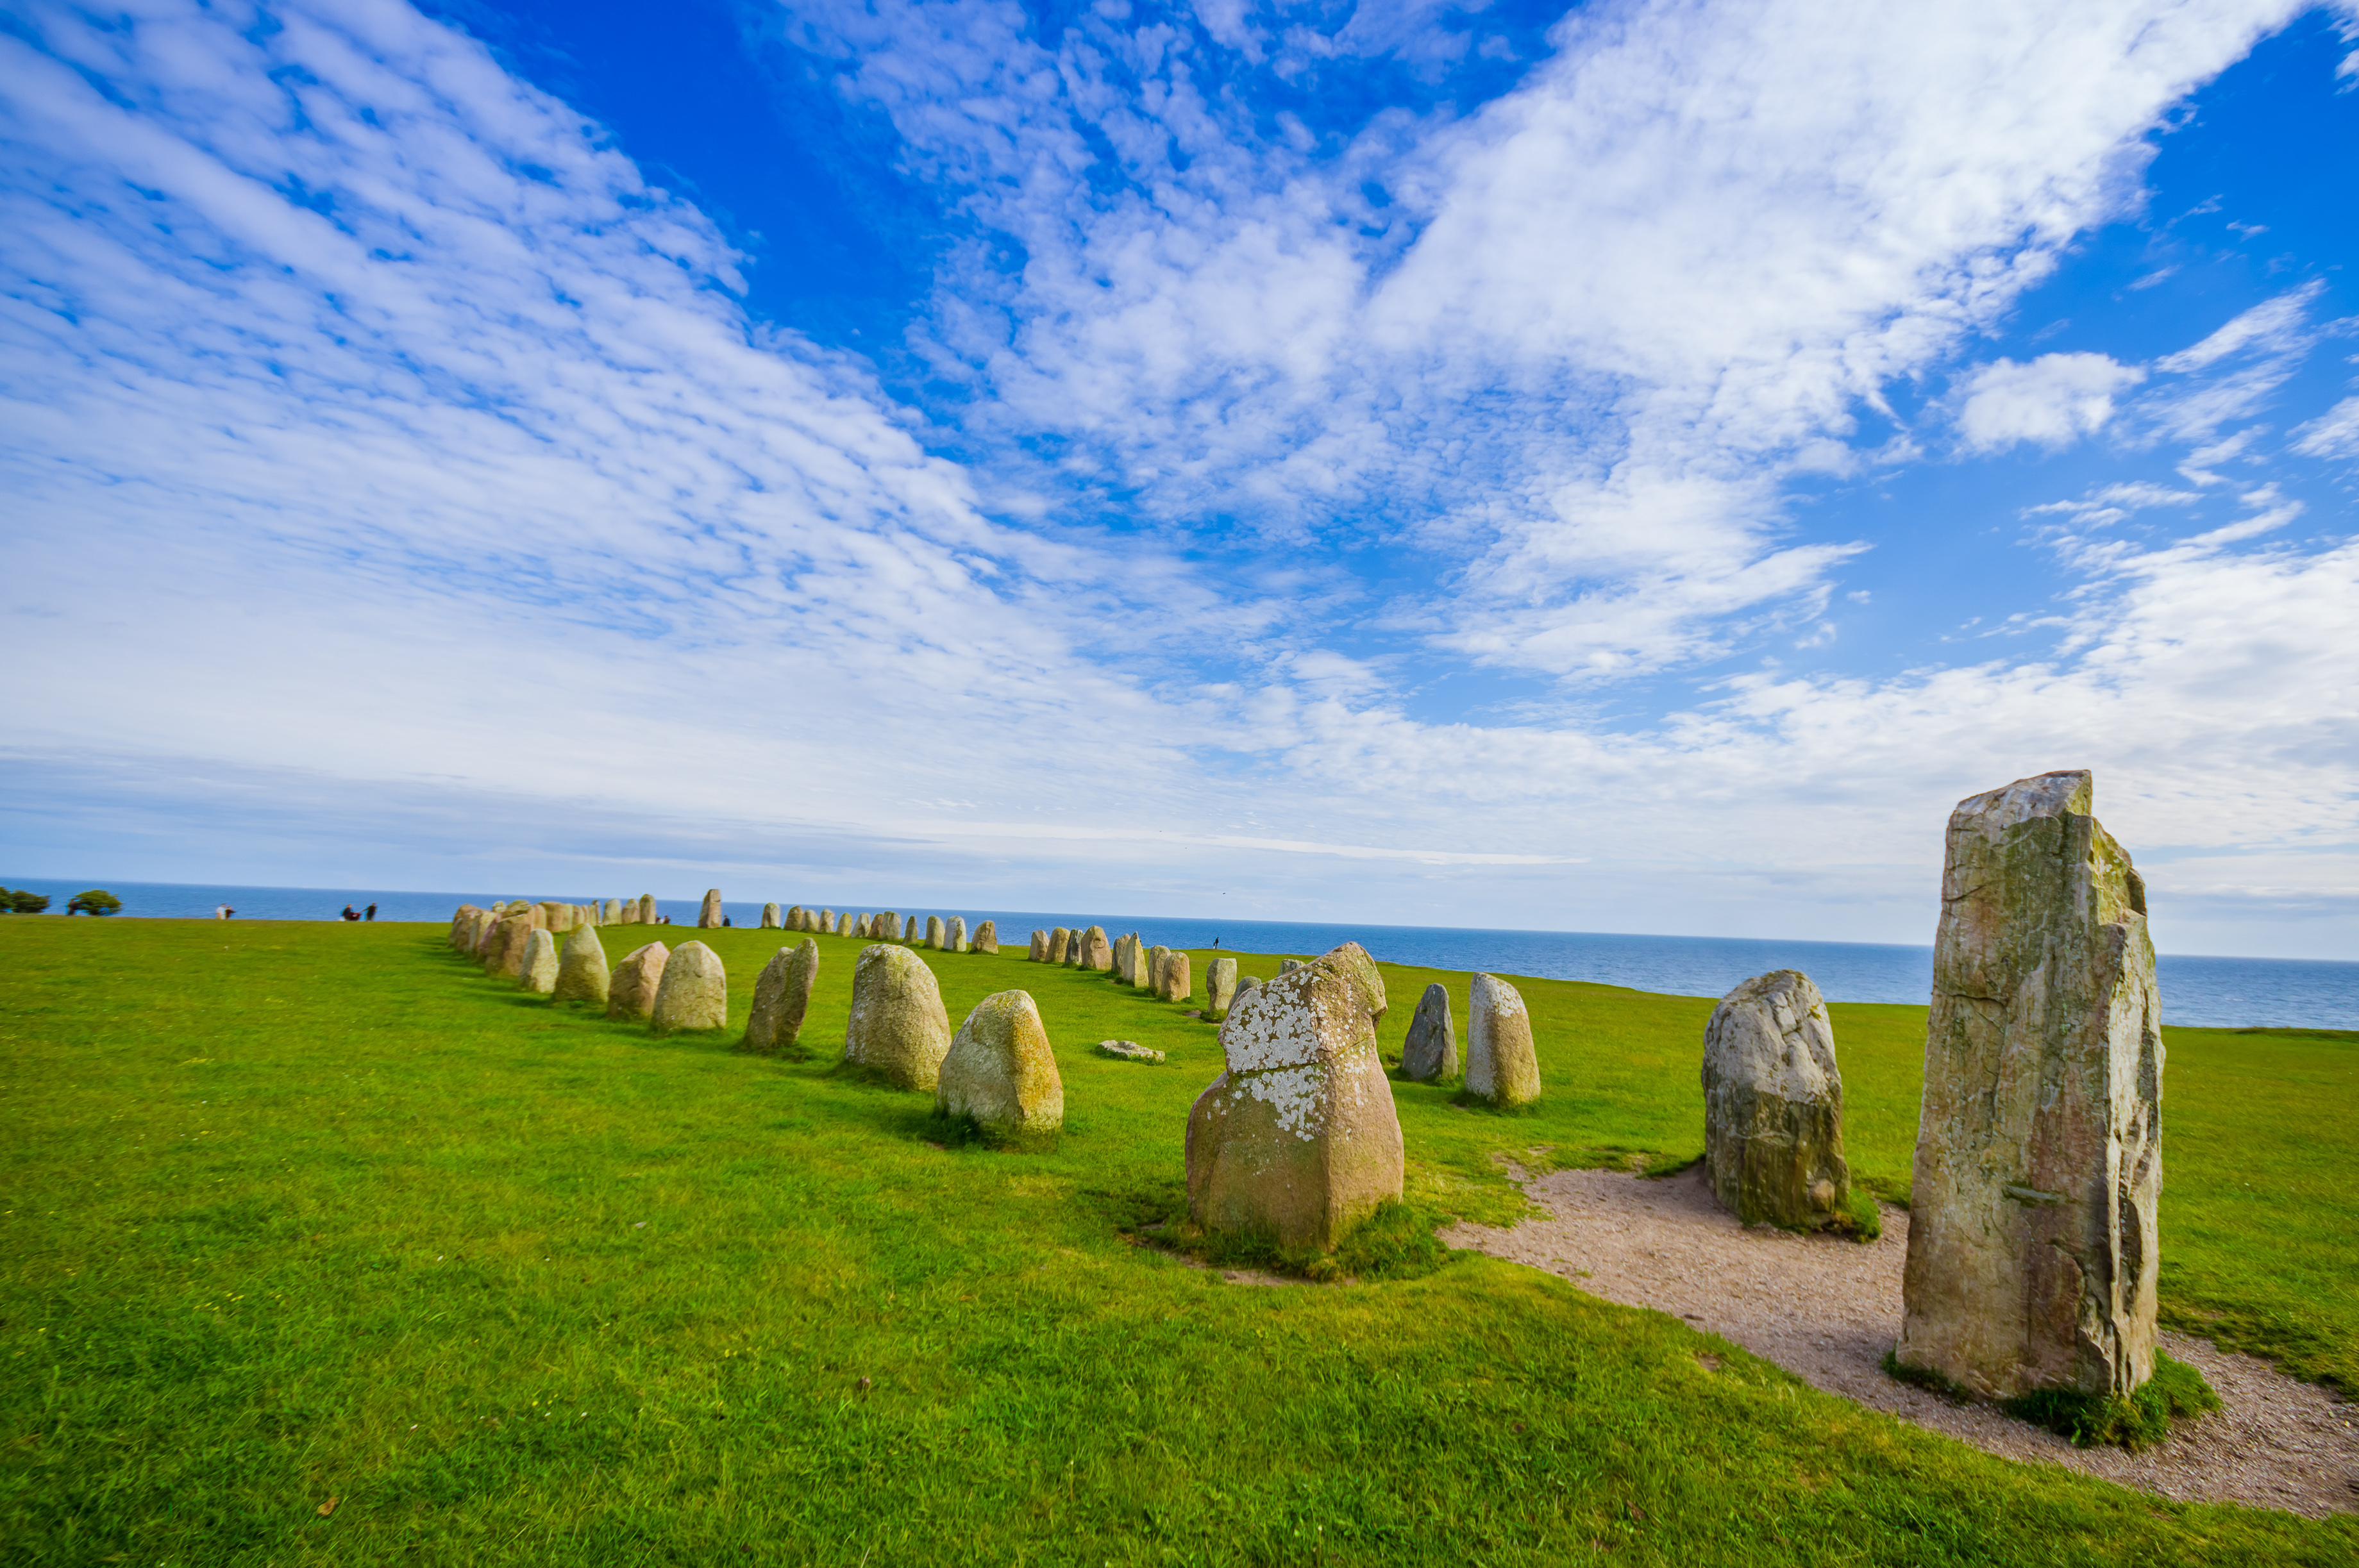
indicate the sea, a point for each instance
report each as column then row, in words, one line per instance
column 2197, row 991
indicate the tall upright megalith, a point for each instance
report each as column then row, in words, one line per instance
column 898, row 1029
column 1503, row 1067
column 707, row 914
column 2032, row 1249
column 781, row 996
column 581, row 971
column 1773, row 1105
column 1299, row 1136
column 1431, row 1049
column 986, row 936
column 693, row 992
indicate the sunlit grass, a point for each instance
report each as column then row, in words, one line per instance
column 307, row 1212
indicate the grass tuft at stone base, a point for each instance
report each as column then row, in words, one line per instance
column 2141, row 1421
column 1396, row 1243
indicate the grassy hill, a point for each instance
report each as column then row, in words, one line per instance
column 305, row 1212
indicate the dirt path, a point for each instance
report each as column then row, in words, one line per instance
column 1828, row 1309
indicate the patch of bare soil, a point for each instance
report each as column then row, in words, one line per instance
column 1827, row 1308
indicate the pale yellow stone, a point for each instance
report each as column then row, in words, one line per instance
column 1001, row 1072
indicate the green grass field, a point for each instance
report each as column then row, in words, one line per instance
column 303, row 1212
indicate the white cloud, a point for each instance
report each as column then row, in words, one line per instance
column 2051, row 402
column 2334, row 434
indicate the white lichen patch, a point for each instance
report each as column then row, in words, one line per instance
column 1294, row 1094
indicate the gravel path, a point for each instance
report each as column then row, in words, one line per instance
column 1828, row 1309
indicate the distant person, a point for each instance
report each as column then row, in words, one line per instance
column 724, row 920
column 351, row 913
column 222, row 912
column 371, row 913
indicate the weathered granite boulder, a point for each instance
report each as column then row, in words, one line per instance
column 1220, row 987
column 886, row 927
column 1501, row 1066
column 1000, row 1074
column 631, row 992
column 781, row 997
column 1039, row 953
column 1773, row 1105
column 1059, row 939
column 503, row 954
column 1156, row 958
column 1097, row 953
column 934, row 933
column 1175, row 984
column 770, row 917
column 487, row 933
column 582, row 974
column 646, row 909
column 462, row 924
column 614, row 915
column 954, row 934
column 2032, row 1247
column 708, row 916
column 1431, row 1051
column 539, row 971
column 1128, row 1051
column 1299, row 1136
column 1136, row 955
column 860, row 927
column 898, row 1029
column 552, row 915
column 794, row 917
column 986, row 936
column 694, row 993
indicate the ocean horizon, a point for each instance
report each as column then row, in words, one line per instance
column 2198, row 990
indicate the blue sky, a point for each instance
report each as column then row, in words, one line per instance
column 1626, row 468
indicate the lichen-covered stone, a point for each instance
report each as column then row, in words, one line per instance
column 935, row 933
column 631, row 992
column 646, row 909
column 1773, row 1105
column 770, row 917
column 1157, row 957
column 1174, row 983
column 1299, row 1138
column 1000, row 1074
column 707, row 914
column 898, row 1029
column 794, row 919
column 1128, row 1051
column 954, row 934
column 986, row 936
column 462, row 924
column 781, row 996
column 581, row 973
column 1501, row 1065
column 2032, row 1245
column 539, row 971
column 1097, row 953
column 1286, row 964
column 503, row 954
column 1220, row 987
column 1060, row 939
column 1431, row 1052
column 1039, row 953
column 1135, row 955
column 694, row 993
column 886, row 927
column 615, row 915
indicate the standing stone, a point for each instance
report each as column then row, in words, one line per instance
column 614, row 915
column 1501, row 1066
column 986, row 936
column 462, row 924
column 708, row 916
column 1039, row 954
column 1286, row 964
column 632, row 991
column 1000, row 1074
column 1097, row 953
column 886, row 927
column 1773, row 1105
column 552, row 916
column 1174, row 983
column 954, row 933
column 1122, row 961
column 1431, row 1049
column 934, row 931
column 1058, row 940
column 1299, row 1136
column 1154, row 960
column 1220, row 988
column 581, row 973
column 781, row 997
column 1137, row 956
column 539, row 971
column 504, row 955
column 795, row 921
column 897, row 1028
column 770, row 917
column 2032, row 1247
column 694, row 993
column 646, row 909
